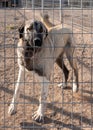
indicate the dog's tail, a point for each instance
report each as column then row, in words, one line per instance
column 46, row 21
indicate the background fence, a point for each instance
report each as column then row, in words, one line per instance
column 65, row 110
column 47, row 3
column 57, row 3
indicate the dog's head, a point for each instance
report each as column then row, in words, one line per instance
column 34, row 32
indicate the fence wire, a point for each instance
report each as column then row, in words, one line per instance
column 66, row 110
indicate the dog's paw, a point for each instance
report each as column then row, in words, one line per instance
column 12, row 109
column 62, row 85
column 38, row 117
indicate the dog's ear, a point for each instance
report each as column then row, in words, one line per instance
column 45, row 31
column 21, row 31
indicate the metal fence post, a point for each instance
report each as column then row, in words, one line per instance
column 81, row 4
column 42, row 6
column 32, row 4
column 68, row 3
column 60, row 10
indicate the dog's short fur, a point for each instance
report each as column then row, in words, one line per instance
column 38, row 49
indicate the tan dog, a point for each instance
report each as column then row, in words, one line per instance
column 38, row 49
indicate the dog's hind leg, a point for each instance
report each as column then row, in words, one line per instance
column 13, row 105
column 61, row 64
column 39, row 114
column 72, row 60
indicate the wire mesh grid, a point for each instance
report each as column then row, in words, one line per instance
column 66, row 110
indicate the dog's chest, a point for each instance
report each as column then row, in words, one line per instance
column 25, row 52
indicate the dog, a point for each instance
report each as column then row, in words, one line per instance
column 38, row 49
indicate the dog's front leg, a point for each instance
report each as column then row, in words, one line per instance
column 13, row 105
column 39, row 114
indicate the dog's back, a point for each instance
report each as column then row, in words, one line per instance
column 57, row 33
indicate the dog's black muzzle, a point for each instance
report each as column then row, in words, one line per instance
column 37, row 42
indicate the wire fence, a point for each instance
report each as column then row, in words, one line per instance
column 47, row 3
column 66, row 110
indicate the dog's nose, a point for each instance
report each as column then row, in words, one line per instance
column 37, row 42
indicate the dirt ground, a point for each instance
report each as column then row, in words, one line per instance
column 65, row 110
